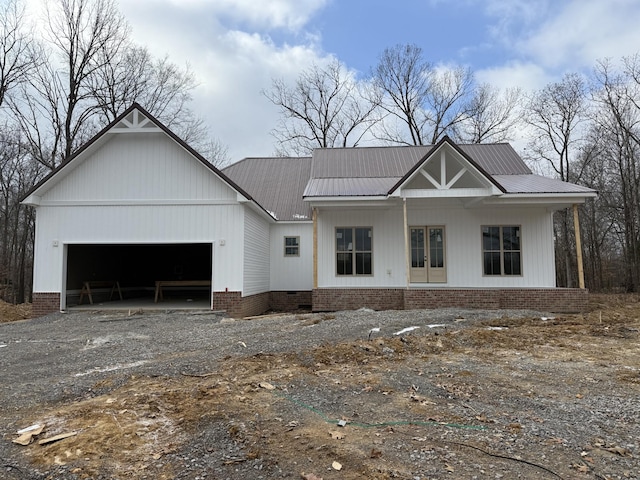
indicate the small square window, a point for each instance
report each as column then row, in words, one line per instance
column 291, row 246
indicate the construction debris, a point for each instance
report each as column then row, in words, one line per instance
column 27, row 434
column 62, row 436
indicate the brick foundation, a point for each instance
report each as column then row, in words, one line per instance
column 290, row 301
column 561, row 300
column 328, row 300
column 44, row 303
column 238, row 306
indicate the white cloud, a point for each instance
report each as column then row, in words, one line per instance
column 525, row 75
column 584, row 31
column 261, row 14
column 231, row 79
column 232, row 66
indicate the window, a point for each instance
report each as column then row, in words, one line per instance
column 501, row 250
column 354, row 251
column 291, row 246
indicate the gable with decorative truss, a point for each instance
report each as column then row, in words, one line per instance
column 135, row 122
column 447, row 173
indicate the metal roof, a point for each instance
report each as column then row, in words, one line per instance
column 537, row 184
column 281, row 184
column 495, row 159
column 276, row 183
column 369, row 162
column 350, row 187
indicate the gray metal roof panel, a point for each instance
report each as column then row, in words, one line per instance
column 276, row 183
column 349, row 187
column 495, row 159
column 367, row 162
column 532, row 183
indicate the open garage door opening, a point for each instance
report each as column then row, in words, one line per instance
column 160, row 274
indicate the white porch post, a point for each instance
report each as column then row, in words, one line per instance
column 315, row 248
column 406, row 242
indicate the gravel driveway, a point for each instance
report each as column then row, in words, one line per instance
column 60, row 356
column 63, row 358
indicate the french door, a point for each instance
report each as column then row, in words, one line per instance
column 427, row 255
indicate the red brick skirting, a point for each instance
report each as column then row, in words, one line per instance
column 238, row 306
column 290, row 301
column 44, row 303
column 330, row 299
column 565, row 300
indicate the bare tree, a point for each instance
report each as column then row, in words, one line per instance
column 57, row 109
column 402, row 79
column 162, row 88
column 492, row 115
column 17, row 58
column 325, row 108
column 448, row 103
column 86, row 34
column 92, row 74
column 617, row 96
column 422, row 103
column 18, row 172
column 555, row 115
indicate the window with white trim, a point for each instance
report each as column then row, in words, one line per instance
column 291, row 246
column 501, row 250
column 354, row 251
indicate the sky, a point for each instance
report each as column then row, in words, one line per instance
column 237, row 47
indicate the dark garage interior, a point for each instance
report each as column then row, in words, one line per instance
column 137, row 268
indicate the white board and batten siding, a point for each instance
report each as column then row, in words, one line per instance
column 292, row 273
column 463, row 230
column 134, row 168
column 256, row 254
column 463, row 246
column 139, row 188
column 388, row 247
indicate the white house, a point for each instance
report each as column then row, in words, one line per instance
column 384, row 227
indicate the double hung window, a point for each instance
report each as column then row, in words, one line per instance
column 291, row 246
column 354, row 251
column 501, row 250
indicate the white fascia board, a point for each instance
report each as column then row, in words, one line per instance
column 542, row 198
column 269, row 216
column 295, row 222
column 121, row 130
column 32, row 199
column 349, row 202
column 241, row 198
column 135, row 202
column 451, row 193
column 362, row 198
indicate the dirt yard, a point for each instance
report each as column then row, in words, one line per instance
column 529, row 398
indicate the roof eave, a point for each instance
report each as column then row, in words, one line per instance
column 541, row 198
column 344, row 198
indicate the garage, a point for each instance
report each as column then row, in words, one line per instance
column 136, row 206
column 102, row 273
